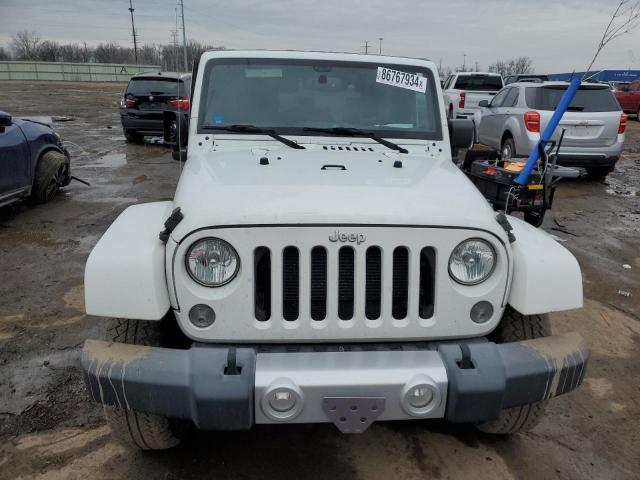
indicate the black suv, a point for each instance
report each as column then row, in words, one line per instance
column 147, row 97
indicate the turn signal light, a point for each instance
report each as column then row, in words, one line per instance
column 532, row 122
column 623, row 123
column 463, row 99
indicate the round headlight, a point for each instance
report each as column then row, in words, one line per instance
column 212, row 262
column 472, row 262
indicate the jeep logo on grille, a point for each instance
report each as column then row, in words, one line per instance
column 337, row 236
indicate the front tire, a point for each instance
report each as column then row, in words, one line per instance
column 143, row 431
column 51, row 172
column 515, row 327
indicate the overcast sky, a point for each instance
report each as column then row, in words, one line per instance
column 559, row 35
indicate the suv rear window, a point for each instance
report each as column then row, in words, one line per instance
column 166, row 86
column 588, row 99
column 483, row 83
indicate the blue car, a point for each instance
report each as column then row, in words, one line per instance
column 34, row 164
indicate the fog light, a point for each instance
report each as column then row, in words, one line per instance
column 202, row 316
column 420, row 396
column 282, row 400
column 481, row 312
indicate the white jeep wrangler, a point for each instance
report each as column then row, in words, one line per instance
column 323, row 260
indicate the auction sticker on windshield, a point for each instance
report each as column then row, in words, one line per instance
column 395, row 78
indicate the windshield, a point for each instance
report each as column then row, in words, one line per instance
column 479, row 83
column 288, row 96
column 588, row 99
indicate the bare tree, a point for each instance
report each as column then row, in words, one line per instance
column 25, row 45
column 149, row 55
column 625, row 18
column 514, row 66
column 113, row 53
column 48, row 51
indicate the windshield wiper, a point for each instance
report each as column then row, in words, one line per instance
column 356, row 132
column 254, row 129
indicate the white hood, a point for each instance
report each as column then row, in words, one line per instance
column 224, row 188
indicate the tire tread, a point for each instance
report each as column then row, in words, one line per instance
column 144, row 431
column 516, row 327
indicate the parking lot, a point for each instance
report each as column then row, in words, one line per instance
column 50, row 429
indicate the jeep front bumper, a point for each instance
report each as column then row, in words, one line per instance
column 229, row 388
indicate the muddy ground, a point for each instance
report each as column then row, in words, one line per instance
column 49, row 428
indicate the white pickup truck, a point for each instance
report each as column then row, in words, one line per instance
column 463, row 92
column 323, row 260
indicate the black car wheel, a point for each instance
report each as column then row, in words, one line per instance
column 508, row 150
column 51, row 172
column 598, row 173
column 132, row 136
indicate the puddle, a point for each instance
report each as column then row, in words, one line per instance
column 113, row 160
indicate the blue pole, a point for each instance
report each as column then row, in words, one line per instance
column 566, row 100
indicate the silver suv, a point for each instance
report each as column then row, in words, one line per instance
column 594, row 125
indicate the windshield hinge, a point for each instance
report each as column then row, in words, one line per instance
column 170, row 224
column 501, row 218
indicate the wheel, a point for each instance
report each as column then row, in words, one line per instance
column 508, row 149
column 50, row 174
column 534, row 218
column 140, row 430
column 516, row 327
column 132, row 136
column 598, row 173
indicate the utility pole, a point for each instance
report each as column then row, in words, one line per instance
column 175, row 43
column 133, row 30
column 380, row 51
column 184, row 37
column 464, row 63
column 366, row 47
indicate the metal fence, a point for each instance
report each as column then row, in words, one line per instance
column 71, row 72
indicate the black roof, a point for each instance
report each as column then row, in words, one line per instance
column 172, row 75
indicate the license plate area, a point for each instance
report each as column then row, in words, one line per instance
column 353, row 414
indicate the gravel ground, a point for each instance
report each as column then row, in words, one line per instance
column 49, row 428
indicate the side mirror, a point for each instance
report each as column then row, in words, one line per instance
column 461, row 133
column 5, row 120
column 176, row 133
column 483, row 103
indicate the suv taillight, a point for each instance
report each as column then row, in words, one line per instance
column 128, row 103
column 532, row 122
column 623, row 123
column 463, row 99
column 181, row 104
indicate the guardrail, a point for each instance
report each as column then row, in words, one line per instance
column 71, row 72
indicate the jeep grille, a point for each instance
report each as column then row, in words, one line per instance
column 317, row 259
